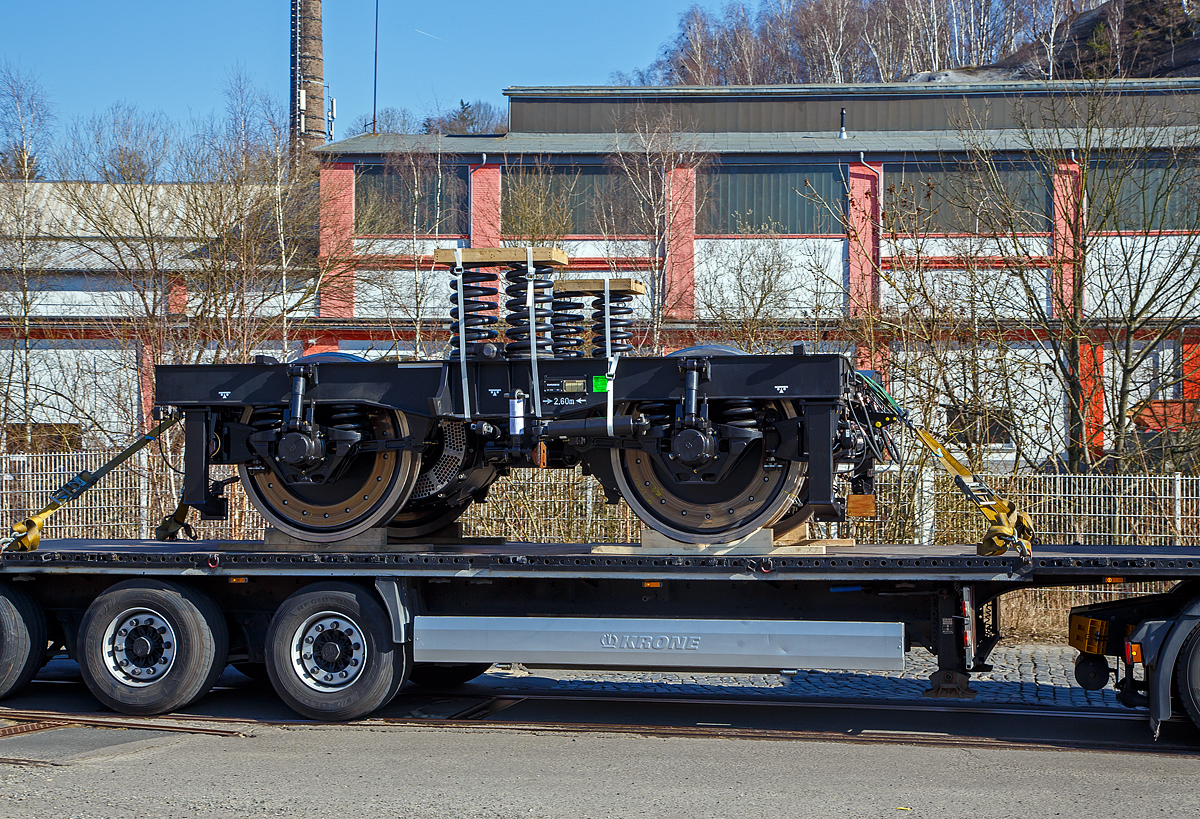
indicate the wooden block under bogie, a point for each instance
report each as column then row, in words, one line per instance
column 860, row 506
column 490, row 256
column 617, row 287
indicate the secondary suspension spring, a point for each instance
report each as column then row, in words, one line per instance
column 658, row 413
column 349, row 417
column 567, row 328
column 518, row 318
column 481, row 313
column 264, row 418
column 620, row 324
column 738, row 412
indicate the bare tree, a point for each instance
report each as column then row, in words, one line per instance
column 649, row 195
column 404, row 208
column 1125, row 276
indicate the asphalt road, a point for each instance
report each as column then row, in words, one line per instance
column 475, row 772
column 867, row 763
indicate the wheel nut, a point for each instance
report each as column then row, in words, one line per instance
column 343, row 675
column 122, row 632
column 162, row 661
column 354, row 662
column 328, row 677
column 348, row 632
column 306, row 656
column 149, row 621
column 123, row 663
column 308, row 640
column 149, row 671
column 166, row 646
column 133, row 623
column 162, row 629
column 320, row 627
column 357, row 646
column 334, row 624
column 137, row 672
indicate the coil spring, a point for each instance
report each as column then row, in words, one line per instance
column 349, row 417
column 619, row 310
column 480, row 312
column 266, row 418
column 567, row 328
column 738, row 412
column 658, row 413
column 518, row 346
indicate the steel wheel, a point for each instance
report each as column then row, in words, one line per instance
column 451, row 476
column 758, row 491
column 373, row 487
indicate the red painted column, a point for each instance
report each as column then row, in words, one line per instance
column 680, row 264
column 862, row 235
column 485, row 205
column 177, row 296
column 1067, row 197
column 862, row 260
column 145, row 365
column 336, row 251
column 1091, row 379
column 1190, row 360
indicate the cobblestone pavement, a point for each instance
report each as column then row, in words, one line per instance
column 1023, row 675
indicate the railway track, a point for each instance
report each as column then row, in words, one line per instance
column 975, row 726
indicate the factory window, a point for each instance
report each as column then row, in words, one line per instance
column 805, row 199
column 411, row 194
column 975, row 426
column 1138, row 196
column 990, row 200
column 544, row 202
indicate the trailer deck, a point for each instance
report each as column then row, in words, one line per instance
column 1051, row 565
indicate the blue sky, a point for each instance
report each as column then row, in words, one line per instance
column 175, row 56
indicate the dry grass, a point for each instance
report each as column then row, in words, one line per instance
column 1040, row 615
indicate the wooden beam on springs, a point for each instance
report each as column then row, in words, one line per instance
column 619, row 287
column 490, row 256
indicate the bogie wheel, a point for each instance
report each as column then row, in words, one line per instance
column 23, row 639
column 446, row 675
column 330, row 654
column 150, row 646
column 1187, row 675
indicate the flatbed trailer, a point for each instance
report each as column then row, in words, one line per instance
column 339, row 631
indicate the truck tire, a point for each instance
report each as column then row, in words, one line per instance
column 23, row 639
column 330, row 654
column 446, row 675
column 179, row 644
column 1187, row 675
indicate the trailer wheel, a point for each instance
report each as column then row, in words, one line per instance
column 150, row 646
column 1187, row 675
column 446, row 675
column 330, row 654
column 23, row 639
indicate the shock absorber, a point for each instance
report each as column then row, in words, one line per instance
column 520, row 323
column 481, row 313
column 567, row 328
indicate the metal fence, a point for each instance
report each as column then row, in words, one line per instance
column 565, row 505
